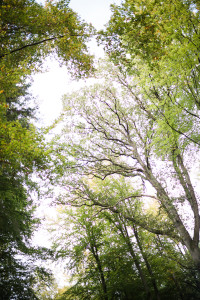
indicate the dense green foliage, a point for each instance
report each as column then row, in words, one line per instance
column 22, row 153
column 123, row 163
column 111, row 258
column 28, row 33
column 138, row 126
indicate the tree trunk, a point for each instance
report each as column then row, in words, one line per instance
column 192, row 245
column 94, row 251
column 136, row 261
column 147, row 263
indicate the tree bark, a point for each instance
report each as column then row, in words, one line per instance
column 147, row 263
column 94, row 251
column 192, row 245
column 136, row 261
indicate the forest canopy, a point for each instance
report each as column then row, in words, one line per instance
column 126, row 162
column 28, row 33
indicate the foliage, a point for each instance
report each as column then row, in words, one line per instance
column 152, row 42
column 125, row 160
column 114, row 132
column 22, row 153
column 134, row 263
column 98, row 265
column 30, row 32
column 124, row 157
column 156, row 33
column 159, row 48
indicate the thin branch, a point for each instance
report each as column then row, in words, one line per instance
column 38, row 43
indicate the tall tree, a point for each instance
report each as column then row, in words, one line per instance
column 98, row 257
column 22, row 154
column 30, row 31
column 150, row 40
column 136, row 264
column 125, row 138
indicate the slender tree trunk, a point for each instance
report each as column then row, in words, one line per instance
column 146, row 262
column 178, row 287
column 94, row 251
column 103, row 282
column 186, row 183
column 136, row 261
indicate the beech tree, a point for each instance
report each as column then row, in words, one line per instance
column 117, row 130
column 98, row 257
column 152, row 42
column 30, row 32
column 104, row 250
column 157, row 34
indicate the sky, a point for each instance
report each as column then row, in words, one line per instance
column 49, row 86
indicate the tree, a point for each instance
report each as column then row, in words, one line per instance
column 30, row 32
column 21, row 155
column 97, row 256
column 160, row 49
column 117, row 136
column 155, row 33
column 136, row 264
column 85, row 261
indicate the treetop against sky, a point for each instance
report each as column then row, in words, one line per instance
column 128, row 138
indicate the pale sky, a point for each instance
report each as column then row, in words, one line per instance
column 96, row 12
column 50, row 86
